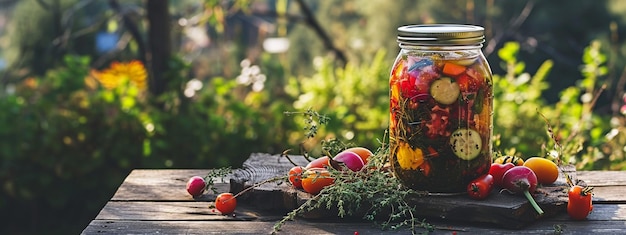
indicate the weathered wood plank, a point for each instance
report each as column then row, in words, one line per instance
column 609, row 194
column 499, row 209
column 141, row 210
column 259, row 167
column 273, row 196
column 603, row 178
column 313, row 227
column 191, row 211
column 157, row 210
column 163, row 185
column 607, row 212
column 169, row 185
column 609, row 186
column 155, row 201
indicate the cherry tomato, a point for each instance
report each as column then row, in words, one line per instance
column 225, row 203
column 497, row 170
column 295, row 176
column 320, row 162
column 579, row 204
column 315, row 179
column 480, row 188
column 467, row 83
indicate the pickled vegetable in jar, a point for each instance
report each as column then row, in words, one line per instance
column 441, row 107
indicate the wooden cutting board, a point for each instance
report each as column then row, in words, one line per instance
column 500, row 209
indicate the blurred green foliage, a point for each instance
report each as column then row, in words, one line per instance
column 60, row 143
column 355, row 97
column 67, row 143
column 517, row 92
column 571, row 122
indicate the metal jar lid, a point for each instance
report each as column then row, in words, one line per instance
column 440, row 35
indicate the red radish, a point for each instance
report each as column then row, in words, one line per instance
column 196, row 186
column 348, row 158
column 364, row 153
column 521, row 179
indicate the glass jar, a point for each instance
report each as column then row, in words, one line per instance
column 441, row 106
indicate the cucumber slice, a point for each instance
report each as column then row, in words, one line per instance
column 466, row 143
column 445, row 90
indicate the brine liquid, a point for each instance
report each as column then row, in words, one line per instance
column 441, row 107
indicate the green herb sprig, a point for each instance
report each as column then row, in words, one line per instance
column 212, row 175
column 312, row 121
column 373, row 192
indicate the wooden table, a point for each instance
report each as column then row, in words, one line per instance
column 156, row 202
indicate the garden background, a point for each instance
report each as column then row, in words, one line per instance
column 90, row 90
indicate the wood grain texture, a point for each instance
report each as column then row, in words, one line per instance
column 137, row 210
column 156, row 202
column 163, row 185
column 274, row 196
column 500, row 209
column 603, row 178
column 309, row 227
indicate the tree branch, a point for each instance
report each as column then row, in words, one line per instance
column 515, row 24
column 312, row 21
column 619, row 90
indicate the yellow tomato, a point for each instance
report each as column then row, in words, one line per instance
column 315, row 179
column 547, row 171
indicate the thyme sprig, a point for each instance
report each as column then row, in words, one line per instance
column 212, row 175
column 312, row 121
column 571, row 145
column 373, row 193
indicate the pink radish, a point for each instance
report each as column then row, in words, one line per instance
column 196, row 186
column 348, row 159
column 521, row 179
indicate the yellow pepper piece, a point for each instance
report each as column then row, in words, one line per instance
column 409, row 158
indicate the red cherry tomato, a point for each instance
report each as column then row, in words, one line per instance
column 579, row 204
column 497, row 170
column 320, row 162
column 467, row 83
column 295, row 176
column 225, row 203
column 480, row 188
